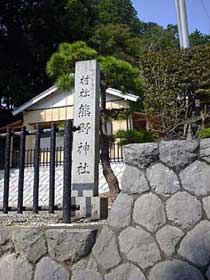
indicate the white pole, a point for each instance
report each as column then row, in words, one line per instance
column 179, row 23
column 184, row 25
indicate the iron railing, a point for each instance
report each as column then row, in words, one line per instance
column 35, row 159
column 115, row 155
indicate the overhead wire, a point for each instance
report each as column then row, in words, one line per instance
column 205, row 10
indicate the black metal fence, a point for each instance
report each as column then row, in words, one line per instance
column 115, row 155
column 34, row 159
column 44, row 157
column 52, row 157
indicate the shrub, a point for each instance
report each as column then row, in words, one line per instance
column 135, row 136
column 204, row 133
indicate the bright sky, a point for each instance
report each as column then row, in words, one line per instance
column 163, row 12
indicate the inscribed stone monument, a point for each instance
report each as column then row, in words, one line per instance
column 85, row 157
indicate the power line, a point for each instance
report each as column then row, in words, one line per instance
column 205, row 11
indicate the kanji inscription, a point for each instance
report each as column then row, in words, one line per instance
column 86, row 116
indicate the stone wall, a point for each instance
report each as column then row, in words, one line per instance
column 161, row 220
column 158, row 227
column 43, row 253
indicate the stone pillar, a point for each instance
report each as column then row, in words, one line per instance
column 86, row 140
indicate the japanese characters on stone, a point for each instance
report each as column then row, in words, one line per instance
column 86, row 116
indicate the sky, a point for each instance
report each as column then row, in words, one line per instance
column 163, row 12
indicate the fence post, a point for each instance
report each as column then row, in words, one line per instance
column 7, row 171
column 118, row 152
column 21, row 170
column 52, row 169
column 36, row 169
column 68, row 138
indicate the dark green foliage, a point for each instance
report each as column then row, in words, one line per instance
column 124, row 43
column 117, row 40
column 62, row 62
column 82, row 17
column 31, row 31
column 28, row 32
column 120, row 74
column 134, row 136
column 114, row 72
column 118, row 12
column 197, row 38
column 156, row 38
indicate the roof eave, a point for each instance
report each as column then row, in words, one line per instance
column 119, row 93
column 126, row 96
column 34, row 100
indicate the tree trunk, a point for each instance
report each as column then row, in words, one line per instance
column 107, row 170
column 104, row 145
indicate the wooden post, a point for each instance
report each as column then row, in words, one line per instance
column 21, row 170
column 68, row 138
column 7, row 171
column 52, row 169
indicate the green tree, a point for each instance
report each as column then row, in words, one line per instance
column 156, row 38
column 118, row 12
column 82, row 19
column 177, row 88
column 114, row 73
column 197, row 38
column 117, row 40
column 30, row 31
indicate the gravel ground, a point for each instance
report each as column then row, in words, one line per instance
column 43, row 218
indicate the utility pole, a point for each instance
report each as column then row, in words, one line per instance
column 179, row 23
column 185, row 32
column 182, row 24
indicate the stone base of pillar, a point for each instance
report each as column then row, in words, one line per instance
column 90, row 207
